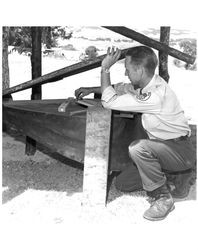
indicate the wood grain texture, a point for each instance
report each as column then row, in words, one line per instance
column 163, row 56
column 65, row 133
column 96, row 161
column 36, row 64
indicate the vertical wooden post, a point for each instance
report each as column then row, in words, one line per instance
column 163, row 56
column 96, row 160
column 5, row 63
column 36, row 63
column 36, row 60
column 97, row 96
column 5, row 66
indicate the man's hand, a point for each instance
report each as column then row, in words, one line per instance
column 111, row 58
column 81, row 92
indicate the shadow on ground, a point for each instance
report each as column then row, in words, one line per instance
column 50, row 172
column 45, row 170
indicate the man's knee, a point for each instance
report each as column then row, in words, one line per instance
column 137, row 147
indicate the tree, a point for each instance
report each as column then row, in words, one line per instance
column 190, row 47
column 48, row 37
column 20, row 36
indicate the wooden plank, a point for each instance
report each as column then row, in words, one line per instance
column 151, row 43
column 163, row 56
column 65, row 133
column 60, row 74
column 88, row 65
column 96, row 159
column 60, row 134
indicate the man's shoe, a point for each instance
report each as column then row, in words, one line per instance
column 161, row 205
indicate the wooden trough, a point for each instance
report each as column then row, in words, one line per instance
column 94, row 136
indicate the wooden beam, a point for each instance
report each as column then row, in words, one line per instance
column 151, row 43
column 163, row 56
column 36, row 63
column 5, row 64
column 88, row 65
column 96, row 159
column 36, row 60
column 60, row 74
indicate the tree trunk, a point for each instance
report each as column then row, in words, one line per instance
column 163, row 56
column 5, row 65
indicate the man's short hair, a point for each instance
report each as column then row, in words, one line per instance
column 143, row 56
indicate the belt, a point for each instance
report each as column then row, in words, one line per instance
column 181, row 138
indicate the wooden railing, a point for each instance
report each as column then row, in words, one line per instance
column 88, row 65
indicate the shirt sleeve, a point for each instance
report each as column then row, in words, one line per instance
column 147, row 102
column 122, row 88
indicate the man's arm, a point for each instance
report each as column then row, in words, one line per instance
column 84, row 91
column 110, row 59
column 150, row 103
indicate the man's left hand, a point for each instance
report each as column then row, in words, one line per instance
column 111, row 58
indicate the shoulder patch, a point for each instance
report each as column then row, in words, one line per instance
column 144, row 96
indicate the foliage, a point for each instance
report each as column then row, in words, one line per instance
column 64, row 32
column 188, row 46
column 20, row 36
column 68, row 47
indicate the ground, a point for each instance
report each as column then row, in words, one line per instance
column 42, row 209
column 44, row 189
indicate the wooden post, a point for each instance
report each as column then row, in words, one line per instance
column 163, row 56
column 36, row 72
column 36, row 60
column 97, row 96
column 96, row 157
column 5, row 64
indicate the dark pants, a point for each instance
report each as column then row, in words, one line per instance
column 150, row 158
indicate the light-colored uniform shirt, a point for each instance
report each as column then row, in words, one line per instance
column 162, row 115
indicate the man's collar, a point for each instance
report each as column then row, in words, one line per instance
column 150, row 84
